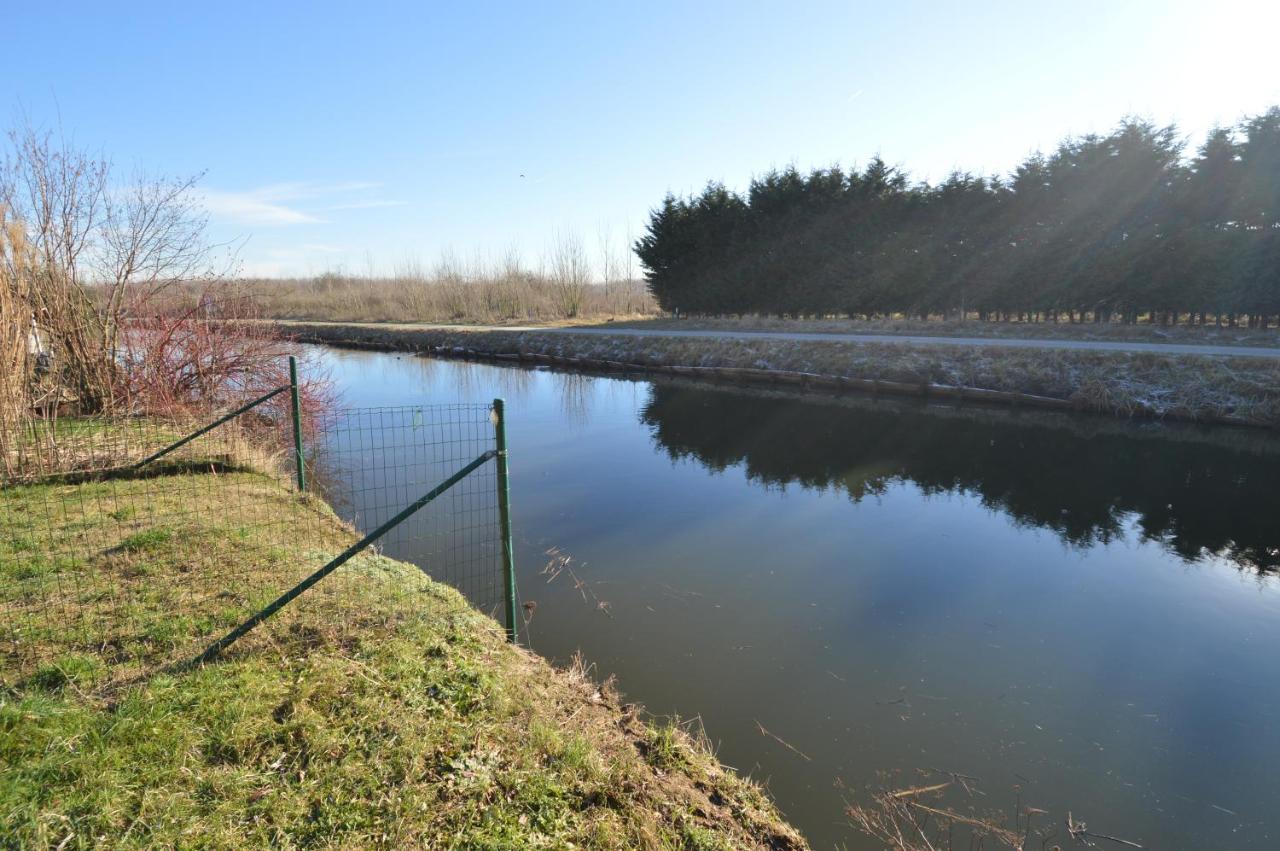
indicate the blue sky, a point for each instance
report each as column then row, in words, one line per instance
column 340, row 134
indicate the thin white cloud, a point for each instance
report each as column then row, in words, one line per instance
column 291, row 203
column 365, row 205
column 248, row 208
column 302, row 190
column 284, row 261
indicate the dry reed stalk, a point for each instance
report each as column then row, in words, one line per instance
column 16, row 366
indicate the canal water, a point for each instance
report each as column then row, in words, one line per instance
column 1073, row 614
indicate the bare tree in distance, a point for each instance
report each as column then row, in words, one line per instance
column 570, row 272
column 608, row 254
column 153, row 237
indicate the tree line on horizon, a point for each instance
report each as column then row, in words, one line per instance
column 1116, row 227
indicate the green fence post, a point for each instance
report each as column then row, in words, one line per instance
column 504, row 516
column 297, row 422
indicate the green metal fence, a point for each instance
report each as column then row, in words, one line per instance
column 147, row 541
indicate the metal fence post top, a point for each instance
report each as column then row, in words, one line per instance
column 296, row 414
column 504, row 515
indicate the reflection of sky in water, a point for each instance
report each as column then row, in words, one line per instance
column 914, row 627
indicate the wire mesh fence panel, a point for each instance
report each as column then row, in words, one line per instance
column 371, row 462
column 103, row 554
column 110, row 553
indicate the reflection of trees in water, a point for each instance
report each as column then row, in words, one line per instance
column 575, row 395
column 464, row 379
column 1194, row 499
column 465, row 376
column 481, row 381
column 390, row 367
column 513, row 384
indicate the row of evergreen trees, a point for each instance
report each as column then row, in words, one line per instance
column 1106, row 227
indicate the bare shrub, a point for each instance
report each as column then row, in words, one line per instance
column 204, row 354
column 109, row 303
column 152, row 238
column 570, row 273
column 452, row 286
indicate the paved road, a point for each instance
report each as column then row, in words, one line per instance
column 917, row 340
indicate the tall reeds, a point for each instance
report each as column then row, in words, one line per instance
column 15, row 326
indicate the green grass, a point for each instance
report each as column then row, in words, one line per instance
column 379, row 710
column 146, row 541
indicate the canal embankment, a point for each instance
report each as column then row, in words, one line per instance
column 391, row 714
column 1241, row 391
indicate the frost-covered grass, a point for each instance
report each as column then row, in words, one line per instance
column 1210, row 334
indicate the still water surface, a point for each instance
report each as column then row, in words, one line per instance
column 1084, row 614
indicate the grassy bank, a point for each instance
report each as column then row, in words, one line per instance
column 377, row 710
column 1242, row 391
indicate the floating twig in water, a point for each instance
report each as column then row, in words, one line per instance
column 957, row 777
column 919, row 790
column 560, row 563
column 682, row 596
column 904, row 821
column 784, row 743
column 1080, row 831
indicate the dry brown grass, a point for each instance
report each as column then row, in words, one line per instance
column 454, row 294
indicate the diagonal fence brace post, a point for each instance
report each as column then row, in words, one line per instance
column 210, row 427
column 212, row 651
